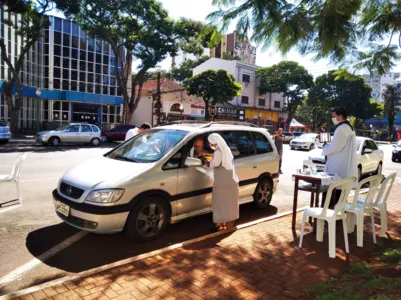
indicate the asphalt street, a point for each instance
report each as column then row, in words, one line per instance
column 35, row 246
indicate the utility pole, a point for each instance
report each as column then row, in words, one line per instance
column 158, row 102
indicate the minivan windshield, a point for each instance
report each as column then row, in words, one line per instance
column 149, row 146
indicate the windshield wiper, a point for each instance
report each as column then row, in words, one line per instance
column 120, row 157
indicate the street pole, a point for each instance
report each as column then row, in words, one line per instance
column 38, row 93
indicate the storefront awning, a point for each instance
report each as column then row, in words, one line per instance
column 296, row 124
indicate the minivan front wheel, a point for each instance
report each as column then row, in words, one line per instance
column 148, row 219
column 263, row 193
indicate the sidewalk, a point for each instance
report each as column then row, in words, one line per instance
column 262, row 261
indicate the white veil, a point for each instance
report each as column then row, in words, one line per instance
column 227, row 156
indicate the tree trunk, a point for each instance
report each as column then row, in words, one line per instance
column 390, row 129
column 13, row 109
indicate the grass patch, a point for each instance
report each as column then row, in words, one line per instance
column 363, row 282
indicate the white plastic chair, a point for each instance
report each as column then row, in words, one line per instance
column 380, row 201
column 361, row 206
column 14, row 177
column 330, row 215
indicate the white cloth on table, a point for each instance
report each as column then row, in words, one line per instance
column 131, row 133
column 341, row 153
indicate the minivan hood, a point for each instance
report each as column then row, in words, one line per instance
column 103, row 173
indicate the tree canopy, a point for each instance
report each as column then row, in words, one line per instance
column 138, row 31
column 335, row 29
column 29, row 29
column 213, row 86
column 353, row 94
column 288, row 78
column 391, row 96
column 184, row 71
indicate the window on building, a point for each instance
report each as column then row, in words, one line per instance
column 244, row 99
column 57, row 24
column 57, row 38
column 75, row 42
column 66, row 62
column 66, row 52
column 83, row 43
column 66, row 40
column 57, row 61
column 262, row 102
column 277, row 104
column 56, row 84
column 74, row 64
column 91, row 56
column 66, row 26
column 57, row 50
column 66, row 85
column 57, row 72
column 75, row 29
column 91, row 45
column 246, row 78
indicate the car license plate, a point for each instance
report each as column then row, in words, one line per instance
column 62, row 208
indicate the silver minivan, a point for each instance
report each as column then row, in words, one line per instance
column 151, row 180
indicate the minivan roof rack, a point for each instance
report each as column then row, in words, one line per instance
column 205, row 124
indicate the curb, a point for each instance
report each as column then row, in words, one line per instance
column 139, row 257
column 22, row 141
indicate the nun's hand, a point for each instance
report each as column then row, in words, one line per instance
column 207, row 163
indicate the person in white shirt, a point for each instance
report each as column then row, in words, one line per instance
column 135, row 131
column 341, row 157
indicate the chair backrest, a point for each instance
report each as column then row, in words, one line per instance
column 374, row 183
column 17, row 166
column 346, row 186
column 384, row 192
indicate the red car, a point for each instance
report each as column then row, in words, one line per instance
column 116, row 134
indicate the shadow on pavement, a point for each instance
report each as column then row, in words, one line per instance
column 25, row 147
column 96, row 250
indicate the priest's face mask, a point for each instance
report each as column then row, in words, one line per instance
column 336, row 119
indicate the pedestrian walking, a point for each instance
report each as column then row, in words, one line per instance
column 135, row 131
column 278, row 142
column 225, row 194
column 340, row 154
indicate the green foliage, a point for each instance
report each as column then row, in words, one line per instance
column 289, row 78
column 391, row 96
column 392, row 256
column 29, row 29
column 137, row 30
column 184, row 71
column 350, row 91
column 334, row 29
column 213, row 86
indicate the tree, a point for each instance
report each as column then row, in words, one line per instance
column 213, row 86
column 335, row 29
column 353, row 94
column 184, row 71
column 391, row 96
column 137, row 31
column 289, row 78
column 29, row 29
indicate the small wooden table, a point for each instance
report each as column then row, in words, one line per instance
column 314, row 187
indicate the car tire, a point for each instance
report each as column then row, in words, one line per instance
column 311, row 147
column 263, row 193
column 148, row 219
column 393, row 160
column 104, row 139
column 54, row 141
column 95, row 142
column 379, row 169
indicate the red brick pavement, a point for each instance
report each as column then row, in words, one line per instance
column 257, row 262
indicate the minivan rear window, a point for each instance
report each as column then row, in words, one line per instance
column 149, row 146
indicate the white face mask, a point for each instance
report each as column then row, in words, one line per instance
column 335, row 121
column 213, row 147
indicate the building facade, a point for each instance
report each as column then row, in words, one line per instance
column 263, row 110
column 74, row 73
column 378, row 83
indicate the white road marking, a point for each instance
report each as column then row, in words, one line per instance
column 17, row 273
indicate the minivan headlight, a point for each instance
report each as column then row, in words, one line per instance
column 105, row 196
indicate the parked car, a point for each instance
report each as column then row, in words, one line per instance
column 297, row 134
column 370, row 158
column 306, row 141
column 150, row 181
column 5, row 133
column 75, row 133
column 288, row 136
column 396, row 152
column 116, row 134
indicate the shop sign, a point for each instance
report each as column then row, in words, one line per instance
column 197, row 110
column 227, row 112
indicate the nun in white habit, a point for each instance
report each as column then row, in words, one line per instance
column 225, row 195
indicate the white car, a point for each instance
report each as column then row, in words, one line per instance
column 370, row 158
column 307, row 141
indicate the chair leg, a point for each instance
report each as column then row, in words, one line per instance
column 345, row 235
column 359, row 230
column 350, row 222
column 372, row 218
column 301, row 237
column 332, row 239
column 383, row 220
column 319, row 230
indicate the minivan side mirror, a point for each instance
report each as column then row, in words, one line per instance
column 192, row 162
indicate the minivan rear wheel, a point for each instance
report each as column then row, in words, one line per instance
column 148, row 219
column 263, row 193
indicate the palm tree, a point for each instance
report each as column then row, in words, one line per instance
column 391, row 96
